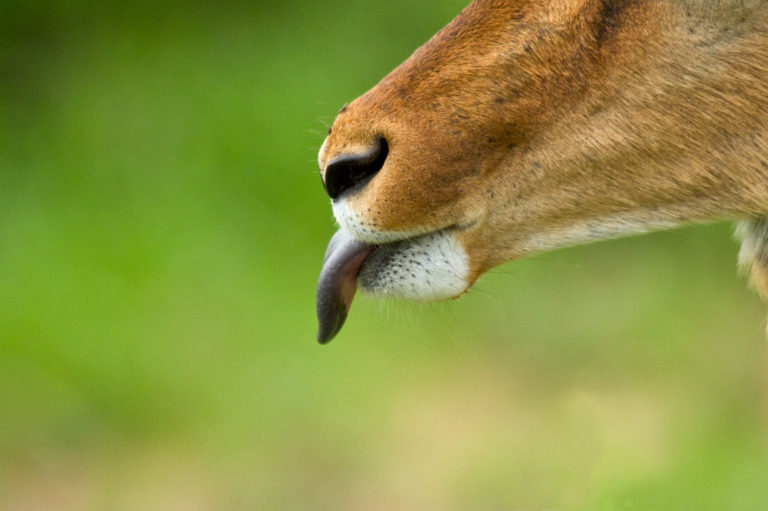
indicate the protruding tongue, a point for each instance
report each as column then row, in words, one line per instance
column 338, row 282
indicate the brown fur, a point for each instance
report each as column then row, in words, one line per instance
column 529, row 124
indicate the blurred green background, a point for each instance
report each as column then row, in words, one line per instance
column 162, row 226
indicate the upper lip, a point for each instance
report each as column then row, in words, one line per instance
column 387, row 238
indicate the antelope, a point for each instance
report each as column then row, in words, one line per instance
column 528, row 125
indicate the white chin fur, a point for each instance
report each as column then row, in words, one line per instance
column 411, row 265
column 430, row 267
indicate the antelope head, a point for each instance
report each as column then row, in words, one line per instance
column 528, row 125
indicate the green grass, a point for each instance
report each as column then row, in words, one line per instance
column 162, row 227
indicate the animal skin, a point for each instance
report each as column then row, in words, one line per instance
column 528, row 125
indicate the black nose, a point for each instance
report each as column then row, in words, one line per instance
column 350, row 170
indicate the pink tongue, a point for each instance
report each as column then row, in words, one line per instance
column 338, row 282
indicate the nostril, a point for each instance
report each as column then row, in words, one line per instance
column 348, row 171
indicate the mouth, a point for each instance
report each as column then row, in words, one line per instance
column 337, row 284
column 428, row 267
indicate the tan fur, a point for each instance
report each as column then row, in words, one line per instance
column 525, row 125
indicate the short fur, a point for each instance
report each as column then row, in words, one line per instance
column 525, row 125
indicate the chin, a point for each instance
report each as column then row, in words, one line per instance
column 424, row 268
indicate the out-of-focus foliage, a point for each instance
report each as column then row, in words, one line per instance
column 161, row 229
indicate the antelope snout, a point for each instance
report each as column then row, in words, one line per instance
column 353, row 171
